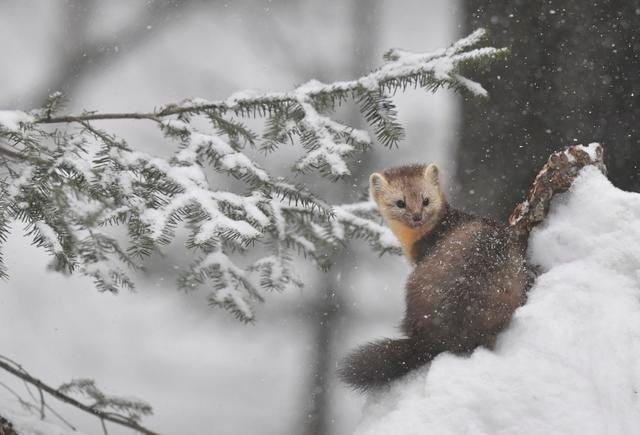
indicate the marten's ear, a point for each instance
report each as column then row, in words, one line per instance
column 376, row 183
column 432, row 174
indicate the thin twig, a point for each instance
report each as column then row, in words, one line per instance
column 157, row 115
column 61, row 418
column 12, row 391
column 114, row 418
column 101, row 116
column 42, row 404
column 53, row 411
column 29, row 405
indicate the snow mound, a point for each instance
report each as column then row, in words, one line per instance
column 569, row 363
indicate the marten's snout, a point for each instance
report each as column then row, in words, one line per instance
column 417, row 217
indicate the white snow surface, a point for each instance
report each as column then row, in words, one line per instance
column 569, row 361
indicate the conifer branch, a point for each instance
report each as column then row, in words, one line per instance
column 70, row 179
column 403, row 68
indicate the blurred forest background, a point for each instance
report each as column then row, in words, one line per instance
column 571, row 77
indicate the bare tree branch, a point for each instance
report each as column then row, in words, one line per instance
column 19, row 372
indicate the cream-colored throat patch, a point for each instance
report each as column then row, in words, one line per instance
column 407, row 237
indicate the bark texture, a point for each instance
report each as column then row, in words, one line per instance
column 570, row 77
column 556, row 176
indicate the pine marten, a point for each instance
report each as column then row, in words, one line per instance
column 470, row 275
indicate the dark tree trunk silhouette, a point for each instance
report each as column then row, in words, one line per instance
column 571, row 77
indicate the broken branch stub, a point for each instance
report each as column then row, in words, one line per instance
column 556, row 176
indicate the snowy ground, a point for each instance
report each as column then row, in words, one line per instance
column 568, row 363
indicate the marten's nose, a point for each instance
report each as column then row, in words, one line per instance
column 417, row 217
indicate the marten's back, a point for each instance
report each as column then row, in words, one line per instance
column 469, row 279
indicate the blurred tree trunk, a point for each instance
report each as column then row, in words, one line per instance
column 327, row 309
column 572, row 76
column 80, row 55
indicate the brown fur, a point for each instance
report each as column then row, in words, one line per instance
column 469, row 278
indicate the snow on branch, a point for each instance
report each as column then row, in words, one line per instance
column 11, row 120
column 69, row 180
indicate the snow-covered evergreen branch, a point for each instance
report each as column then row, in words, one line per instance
column 69, row 180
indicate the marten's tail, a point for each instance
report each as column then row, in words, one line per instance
column 377, row 363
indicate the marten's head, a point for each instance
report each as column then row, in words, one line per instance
column 409, row 195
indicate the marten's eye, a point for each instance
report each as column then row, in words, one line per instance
column 425, row 202
column 401, row 204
